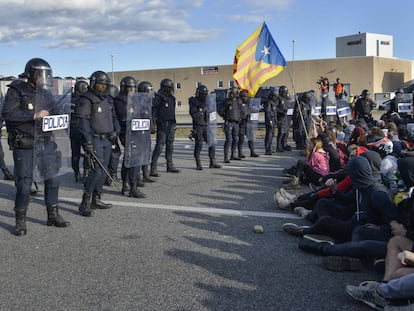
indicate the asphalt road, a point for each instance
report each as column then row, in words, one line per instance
column 189, row 245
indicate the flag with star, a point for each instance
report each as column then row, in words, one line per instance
column 257, row 60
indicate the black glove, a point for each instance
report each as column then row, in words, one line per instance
column 88, row 147
column 113, row 137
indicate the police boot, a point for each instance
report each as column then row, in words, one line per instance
column 226, row 157
column 20, row 228
column 171, row 168
column 241, row 155
column 135, row 192
column 153, row 171
column 125, row 188
column 108, row 181
column 85, row 208
column 97, row 203
column 214, row 164
column 198, row 163
column 268, row 151
column 233, row 157
column 252, row 153
column 7, row 174
column 54, row 219
column 146, row 177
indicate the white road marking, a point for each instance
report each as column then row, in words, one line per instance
column 201, row 210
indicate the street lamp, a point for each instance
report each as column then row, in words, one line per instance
column 293, row 63
column 112, row 60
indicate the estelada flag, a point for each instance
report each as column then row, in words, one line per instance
column 257, row 60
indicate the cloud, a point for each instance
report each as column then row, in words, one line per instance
column 81, row 24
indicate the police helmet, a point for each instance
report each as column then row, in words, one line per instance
column 81, row 86
column 399, row 91
column 167, row 85
column 365, row 93
column 113, row 90
column 283, row 90
column 201, row 90
column 273, row 94
column 145, row 87
column 127, row 82
column 243, row 94
column 234, row 91
column 99, row 77
column 38, row 71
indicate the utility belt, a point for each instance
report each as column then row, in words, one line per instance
column 234, row 121
column 20, row 141
column 100, row 135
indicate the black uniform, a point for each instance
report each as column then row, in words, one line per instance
column 200, row 114
column 244, row 115
column 21, row 102
column 99, row 127
column 3, row 167
column 163, row 112
column 271, row 122
column 230, row 112
column 363, row 108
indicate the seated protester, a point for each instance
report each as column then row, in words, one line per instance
column 393, row 136
column 375, row 134
column 358, row 136
column 314, row 167
column 348, row 131
column 375, row 211
column 336, row 157
column 333, row 215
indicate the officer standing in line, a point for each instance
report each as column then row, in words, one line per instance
column 146, row 87
column 363, row 107
column 3, row 167
column 113, row 92
column 20, row 116
column 282, row 102
column 230, row 112
column 128, row 85
column 76, row 143
column 163, row 113
column 244, row 114
column 100, row 129
column 200, row 115
column 270, row 120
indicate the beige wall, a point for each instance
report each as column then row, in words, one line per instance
column 374, row 73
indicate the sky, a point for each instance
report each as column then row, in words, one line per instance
column 78, row 37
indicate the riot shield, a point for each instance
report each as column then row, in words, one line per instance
column 212, row 120
column 253, row 120
column 404, row 102
column 51, row 148
column 343, row 110
column 137, row 151
column 330, row 110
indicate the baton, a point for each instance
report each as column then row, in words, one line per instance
column 95, row 157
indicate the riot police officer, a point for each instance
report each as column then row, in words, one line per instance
column 200, row 115
column 3, row 167
column 244, row 114
column 21, row 112
column 284, row 121
column 146, row 87
column 100, row 128
column 230, row 112
column 113, row 92
column 270, row 120
column 163, row 113
column 81, row 86
column 128, row 86
column 364, row 106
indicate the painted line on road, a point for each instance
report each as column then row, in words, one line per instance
column 202, row 210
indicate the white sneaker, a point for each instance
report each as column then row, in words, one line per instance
column 283, row 203
column 301, row 211
column 291, row 197
column 277, row 196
